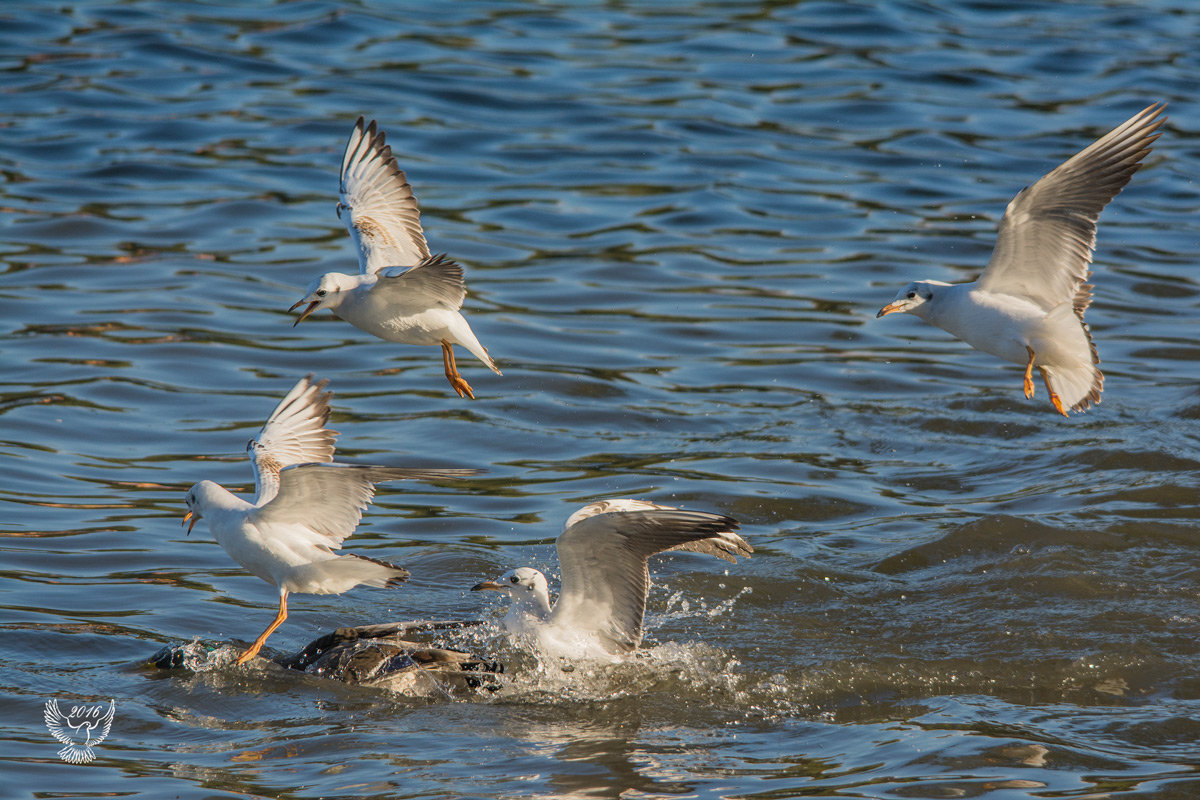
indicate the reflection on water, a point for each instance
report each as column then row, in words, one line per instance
column 676, row 224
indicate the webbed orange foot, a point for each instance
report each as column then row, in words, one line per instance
column 1029, row 373
column 1054, row 398
column 248, row 653
column 457, row 382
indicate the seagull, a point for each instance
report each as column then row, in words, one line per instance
column 304, row 507
column 603, row 551
column 1027, row 306
column 402, row 293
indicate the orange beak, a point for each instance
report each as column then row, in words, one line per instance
column 193, row 516
column 889, row 308
column 479, row 587
column 311, row 308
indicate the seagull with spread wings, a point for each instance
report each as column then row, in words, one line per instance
column 304, row 507
column 603, row 552
column 1027, row 306
column 402, row 293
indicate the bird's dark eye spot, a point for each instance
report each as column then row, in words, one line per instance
column 321, row 292
column 515, row 579
column 911, row 295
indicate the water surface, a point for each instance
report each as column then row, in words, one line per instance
column 677, row 222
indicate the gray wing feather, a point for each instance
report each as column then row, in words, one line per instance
column 329, row 499
column 727, row 549
column 604, row 573
column 1044, row 245
column 436, row 278
column 377, row 203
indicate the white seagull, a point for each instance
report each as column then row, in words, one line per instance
column 402, row 293
column 304, row 507
column 1027, row 306
column 602, row 552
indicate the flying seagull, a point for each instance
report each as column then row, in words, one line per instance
column 1027, row 306
column 303, row 508
column 402, row 293
column 602, row 552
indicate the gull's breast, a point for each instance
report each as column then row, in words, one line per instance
column 1000, row 324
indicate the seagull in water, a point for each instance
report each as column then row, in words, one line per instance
column 603, row 551
column 1027, row 306
column 402, row 293
column 304, row 507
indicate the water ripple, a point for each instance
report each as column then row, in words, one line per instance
column 677, row 223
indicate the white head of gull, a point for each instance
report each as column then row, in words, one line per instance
column 304, row 507
column 402, row 293
column 1027, row 306
column 603, row 552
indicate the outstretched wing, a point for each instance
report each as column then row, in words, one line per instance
column 603, row 559
column 727, row 548
column 378, row 205
column 56, row 723
column 103, row 726
column 435, row 281
column 1044, row 246
column 329, row 499
column 295, row 433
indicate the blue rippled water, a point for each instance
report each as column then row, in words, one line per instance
column 677, row 222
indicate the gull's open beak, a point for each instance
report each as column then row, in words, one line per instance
column 311, row 308
column 193, row 516
column 896, row 305
column 479, row 587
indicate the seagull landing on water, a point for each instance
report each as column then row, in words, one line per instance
column 402, row 293
column 1027, row 306
column 305, row 506
column 602, row 552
